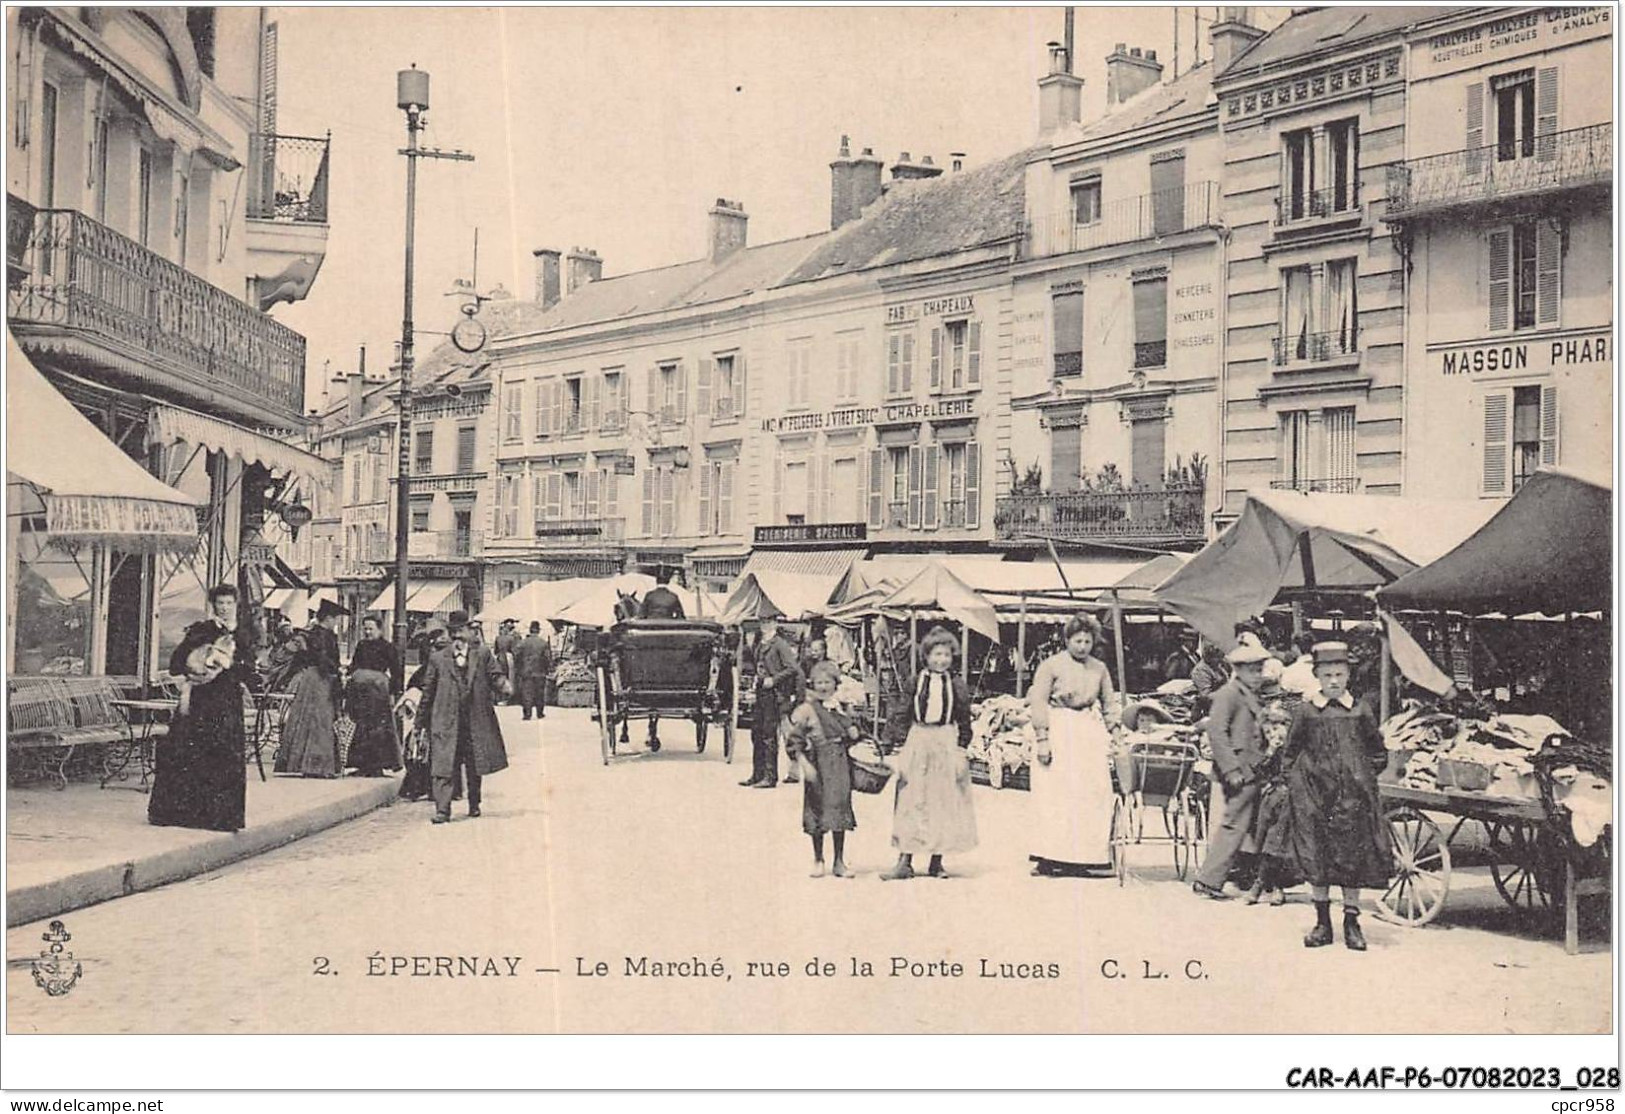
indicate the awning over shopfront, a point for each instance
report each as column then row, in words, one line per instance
column 1549, row 549
column 423, row 597
column 1287, row 540
column 779, row 595
column 807, row 562
column 60, row 465
column 171, row 423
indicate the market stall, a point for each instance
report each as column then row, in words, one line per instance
column 1543, row 794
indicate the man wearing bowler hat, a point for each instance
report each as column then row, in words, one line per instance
column 461, row 686
column 1238, row 747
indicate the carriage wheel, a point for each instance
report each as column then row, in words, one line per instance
column 1421, row 869
column 728, row 738
column 1119, row 840
column 699, row 734
column 1196, row 805
column 1522, row 866
column 1183, row 830
column 606, row 726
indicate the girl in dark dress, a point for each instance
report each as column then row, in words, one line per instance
column 375, row 678
column 201, row 779
column 820, row 733
column 1334, row 751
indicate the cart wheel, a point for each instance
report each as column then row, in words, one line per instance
column 1421, row 869
column 1119, row 840
column 728, row 739
column 1521, row 864
column 1184, row 836
column 699, row 736
column 606, row 726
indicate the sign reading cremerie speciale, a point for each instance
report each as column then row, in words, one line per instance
column 858, row 416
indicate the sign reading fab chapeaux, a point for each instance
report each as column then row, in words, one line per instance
column 854, row 417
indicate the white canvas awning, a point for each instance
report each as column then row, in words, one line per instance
column 171, row 423
column 60, row 465
column 423, row 597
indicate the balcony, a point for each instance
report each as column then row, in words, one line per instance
column 1578, row 159
column 1068, row 365
column 722, row 410
column 581, row 531
column 1332, row 203
column 429, row 545
column 97, row 298
column 897, row 516
column 286, row 207
column 19, row 227
column 1333, row 485
column 1147, row 217
column 953, row 514
column 612, row 421
column 1314, row 348
column 1176, row 513
column 1151, row 353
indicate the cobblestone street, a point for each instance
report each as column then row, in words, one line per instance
column 662, row 856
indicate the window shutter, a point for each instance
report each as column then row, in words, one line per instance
column 1548, row 425
column 538, row 497
column 1546, row 113
column 739, row 384
column 894, row 363
column 916, row 484
column 908, row 363
column 973, row 485
column 1500, row 279
column 594, row 386
column 555, row 496
column 705, row 495
column 1548, row 273
column 936, row 359
column 649, row 501
column 612, row 493
column 1497, row 406
column 877, row 479
column 703, row 405
column 540, row 410
column 932, row 455
column 973, row 374
column 725, row 497
column 593, row 480
column 1475, row 129
column 682, row 391
column 668, row 502
column 653, row 405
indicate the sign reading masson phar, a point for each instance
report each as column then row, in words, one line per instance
column 852, row 417
column 1532, row 355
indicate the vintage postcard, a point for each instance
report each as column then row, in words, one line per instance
column 1081, row 521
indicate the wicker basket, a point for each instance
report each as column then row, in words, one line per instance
column 868, row 777
column 1019, row 778
column 1474, row 777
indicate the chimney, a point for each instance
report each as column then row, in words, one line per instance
column 959, row 160
column 728, row 220
column 547, row 276
column 1129, row 72
column 854, row 184
column 904, row 170
column 581, row 266
column 358, row 387
column 1060, row 95
column 1233, row 34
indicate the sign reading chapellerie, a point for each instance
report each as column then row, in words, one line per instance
column 931, row 307
column 854, row 417
column 812, row 532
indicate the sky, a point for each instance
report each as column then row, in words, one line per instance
column 617, row 128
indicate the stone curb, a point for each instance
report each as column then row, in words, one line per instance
column 104, row 883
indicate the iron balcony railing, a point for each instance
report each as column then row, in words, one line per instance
column 19, row 228
column 1176, row 512
column 1333, row 485
column 897, row 516
column 723, row 409
column 87, row 278
column 423, row 545
column 288, row 178
column 1150, row 353
column 1146, row 217
column 1311, row 348
column 1499, row 172
column 571, row 424
column 612, row 421
column 953, row 514
column 1068, row 364
column 579, row 530
column 1316, row 204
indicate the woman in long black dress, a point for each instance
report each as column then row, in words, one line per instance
column 375, row 679
column 415, row 785
column 201, row 777
column 309, row 744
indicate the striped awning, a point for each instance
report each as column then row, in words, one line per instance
column 171, row 423
column 423, row 597
column 833, row 561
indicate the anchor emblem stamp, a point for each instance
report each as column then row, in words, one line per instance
column 56, row 971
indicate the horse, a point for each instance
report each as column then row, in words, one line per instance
column 626, row 605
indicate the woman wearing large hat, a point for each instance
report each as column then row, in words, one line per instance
column 309, row 745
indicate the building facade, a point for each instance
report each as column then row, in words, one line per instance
column 1311, row 118
column 1503, row 209
column 141, row 292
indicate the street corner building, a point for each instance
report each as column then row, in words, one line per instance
column 156, row 218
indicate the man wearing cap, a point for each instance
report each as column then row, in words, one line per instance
column 506, row 642
column 532, row 662
column 1237, row 739
column 460, row 689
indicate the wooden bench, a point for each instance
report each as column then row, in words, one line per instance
column 49, row 718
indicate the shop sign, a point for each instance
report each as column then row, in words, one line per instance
column 91, row 515
column 436, row 572
column 579, row 529
column 903, row 312
column 258, row 553
column 1522, row 356
column 812, row 532
column 1518, row 33
column 858, row 417
column 625, row 466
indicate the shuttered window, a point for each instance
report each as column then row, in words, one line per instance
column 973, row 485
column 423, row 452
column 916, row 486
column 1066, row 457
column 1475, row 129
column 725, row 496
column 1067, row 313
column 465, row 448
column 900, row 362
column 1497, row 429
column 931, row 459
column 512, row 416
column 1341, row 461
column 1546, row 114
column 877, row 484
column 1168, row 194
column 1151, row 323
column 1148, row 449
column 1524, row 275
column 649, row 501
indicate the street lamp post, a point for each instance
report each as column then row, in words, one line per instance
column 412, row 97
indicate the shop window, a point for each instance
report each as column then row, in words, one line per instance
column 1524, row 275
column 1086, row 201
column 1067, row 312
column 52, row 621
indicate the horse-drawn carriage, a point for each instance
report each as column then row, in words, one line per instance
column 666, row 668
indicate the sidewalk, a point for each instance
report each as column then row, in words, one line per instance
column 82, row 845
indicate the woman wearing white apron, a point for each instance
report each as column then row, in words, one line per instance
column 1072, row 700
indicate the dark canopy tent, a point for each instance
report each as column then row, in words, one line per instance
column 1549, row 549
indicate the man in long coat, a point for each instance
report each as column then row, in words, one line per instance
column 461, row 686
column 779, row 684
column 532, row 662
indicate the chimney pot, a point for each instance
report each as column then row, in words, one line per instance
column 959, row 160
column 547, row 277
column 1060, row 95
column 855, row 183
column 1128, row 72
column 1121, row 48
column 728, row 221
column 1150, row 56
column 846, row 149
column 581, row 266
column 903, row 157
column 1230, row 36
